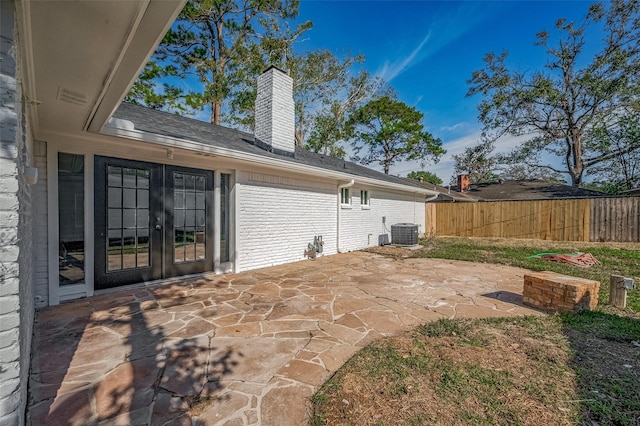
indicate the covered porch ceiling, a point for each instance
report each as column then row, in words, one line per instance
column 79, row 58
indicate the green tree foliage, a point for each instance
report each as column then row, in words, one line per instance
column 389, row 131
column 478, row 161
column 221, row 44
column 519, row 171
column 319, row 78
column 560, row 106
column 483, row 164
column 425, row 176
column 329, row 118
column 621, row 172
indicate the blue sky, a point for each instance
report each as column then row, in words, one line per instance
column 427, row 50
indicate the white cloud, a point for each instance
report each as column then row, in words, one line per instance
column 454, row 127
column 390, row 71
column 441, row 32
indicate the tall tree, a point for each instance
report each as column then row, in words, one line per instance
column 389, row 131
column 213, row 46
column 478, row 161
column 319, row 79
column 329, row 119
column 559, row 106
column 483, row 164
column 425, row 176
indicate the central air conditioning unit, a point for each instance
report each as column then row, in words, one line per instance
column 404, row 234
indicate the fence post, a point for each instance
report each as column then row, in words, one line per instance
column 617, row 292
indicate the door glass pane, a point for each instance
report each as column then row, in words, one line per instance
column 200, row 183
column 190, row 218
column 115, row 197
column 190, row 200
column 178, row 198
column 189, row 210
column 143, row 179
column 142, row 220
column 114, row 218
column 178, row 244
column 143, row 198
column 114, row 176
column 200, row 200
column 129, row 198
column 114, row 250
column 189, row 182
column 200, row 218
column 127, row 218
column 143, row 247
column 71, row 218
column 178, row 181
column 178, row 218
column 129, row 177
column 190, row 244
column 200, row 246
column 225, row 214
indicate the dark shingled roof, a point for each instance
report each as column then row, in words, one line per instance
column 446, row 194
column 528, row 190
column 172, row 125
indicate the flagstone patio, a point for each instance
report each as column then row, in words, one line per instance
column 242, row 349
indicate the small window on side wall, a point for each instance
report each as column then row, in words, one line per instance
column 364, row 198
column 345, row 197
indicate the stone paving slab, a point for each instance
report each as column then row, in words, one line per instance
column 242, row 349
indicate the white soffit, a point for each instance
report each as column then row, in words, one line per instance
column 85, row 54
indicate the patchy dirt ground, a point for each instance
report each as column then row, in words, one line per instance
column 481, row 375
column 529, row 371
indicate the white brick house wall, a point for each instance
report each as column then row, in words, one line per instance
column 278, row 216
column 40, row 235
column 360, row 227
column 16, row 259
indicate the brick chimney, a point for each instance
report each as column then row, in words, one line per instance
column 274, row 115
column 463, row 183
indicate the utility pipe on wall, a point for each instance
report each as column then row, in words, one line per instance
column 344, row 185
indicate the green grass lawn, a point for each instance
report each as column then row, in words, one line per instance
column 567, row 369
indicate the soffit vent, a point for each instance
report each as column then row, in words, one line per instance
column 71, row 97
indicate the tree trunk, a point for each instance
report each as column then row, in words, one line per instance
column 298, row 131
column 216, row 107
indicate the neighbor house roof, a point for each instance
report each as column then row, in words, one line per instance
column 635, row 192
column 144, row 119
column 445, row 194
column 528, row 190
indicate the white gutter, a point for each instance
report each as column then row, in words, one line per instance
column 208, row 150
column 344, row 185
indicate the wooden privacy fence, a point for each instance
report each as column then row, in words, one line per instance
column 593, row 219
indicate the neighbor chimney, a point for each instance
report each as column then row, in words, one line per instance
column 275, row 125
column 463, row 183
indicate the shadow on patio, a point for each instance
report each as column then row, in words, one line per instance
column 119, row 357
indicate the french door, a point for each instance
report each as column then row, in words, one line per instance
column 151, row 221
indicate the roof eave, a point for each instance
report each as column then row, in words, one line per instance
column 209, row 150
